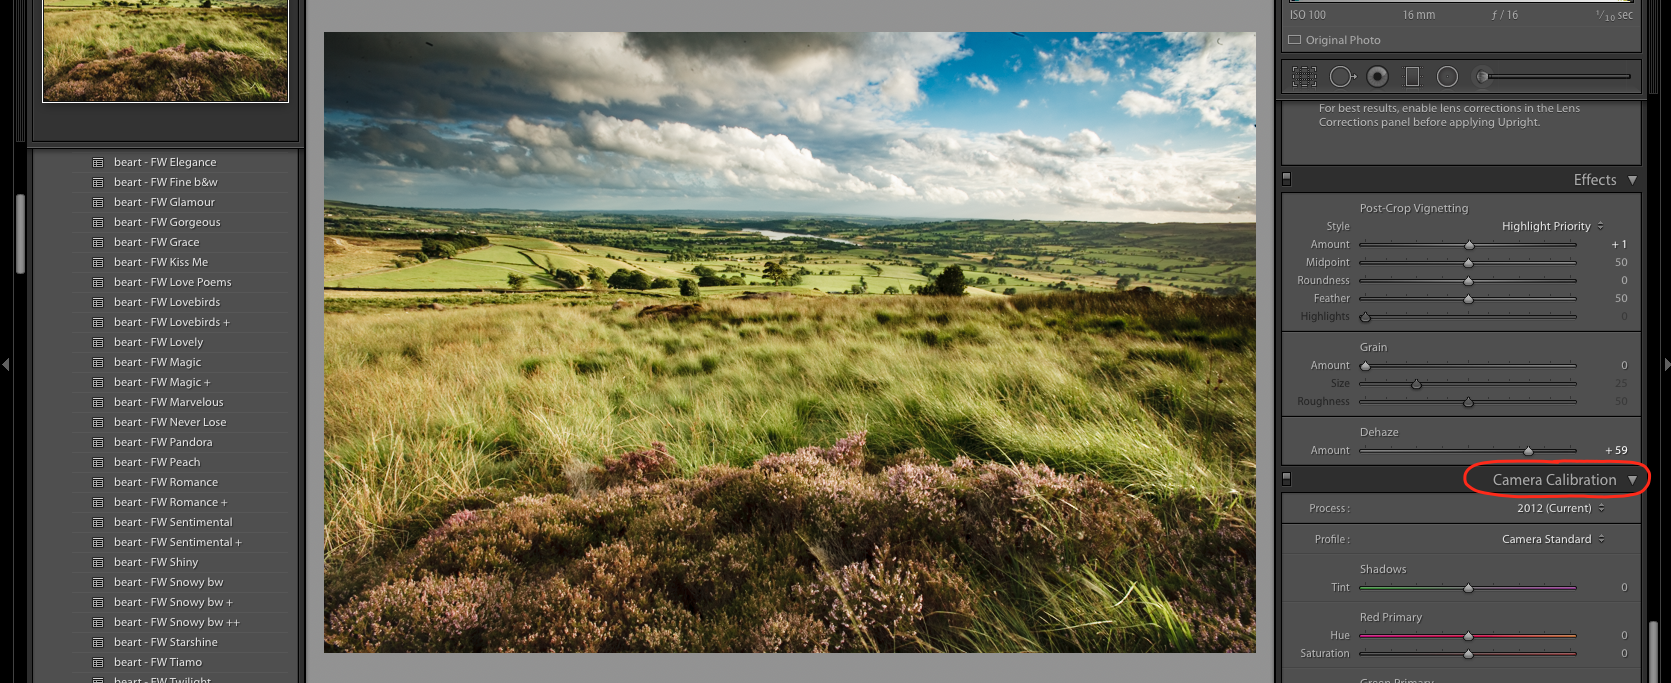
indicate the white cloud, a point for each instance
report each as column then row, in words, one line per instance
column 1021, row 105
column 1102, row 42
column 606, row 151
column 549, row 150
column 805, row 77
column 1015, row 173
column 938, row 166
column 1213, row 73
column 1077, row 64
column 886, row 182
column 901, row 88
column 1076, row 69
column 731, row 155
column 920, row 172
column 983, row 82
column 537, row 135
column 1081, row 143
column 1139, row 103
column 806, row 109
column 942, row 194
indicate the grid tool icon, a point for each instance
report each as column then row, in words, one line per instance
column 98, row 322
column 98, row 342
column 98, row 382
column 98, row 642
column 98, row 483
column 98, row 401
column 98, row 182
column 98, row 603
column 98, row 582
column 98, row 221
column 98, row 242
column 98, row 362
column 98, row 423
column 98, row 262
column 98, row 202
column 98, row 543
column 98, row 563
column 98, row 162
column 98, row 622
column 98, row 662
column 98, row 502
column 98, row 462
column 98, row 282
column 98, row 302
column 98, row 442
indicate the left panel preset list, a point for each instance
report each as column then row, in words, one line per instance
column 164, row 455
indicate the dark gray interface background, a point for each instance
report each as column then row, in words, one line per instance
column 1463, row 240
column 165, row 470
column 725, row 15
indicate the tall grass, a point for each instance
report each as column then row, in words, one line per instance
column 1082, row 610
column 423, row 405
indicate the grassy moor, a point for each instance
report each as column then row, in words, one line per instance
column 793, row 464
column 167, row 51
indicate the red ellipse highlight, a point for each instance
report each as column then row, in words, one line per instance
column 1645, row 481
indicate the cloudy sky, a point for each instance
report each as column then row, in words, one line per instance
column 1093, row 126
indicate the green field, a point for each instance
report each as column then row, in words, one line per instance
column 486, row 268
column 1024, row 256
column 127, row 50
column 560, row 469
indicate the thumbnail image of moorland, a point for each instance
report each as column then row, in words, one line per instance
column 711, row 431
column 165, row 51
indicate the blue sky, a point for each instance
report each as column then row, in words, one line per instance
column 1092, row 126
column 1011, row 63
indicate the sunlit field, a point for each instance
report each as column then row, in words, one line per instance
column 1053, row 472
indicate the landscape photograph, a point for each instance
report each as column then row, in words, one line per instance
column 165, row 50
column 930, row 342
